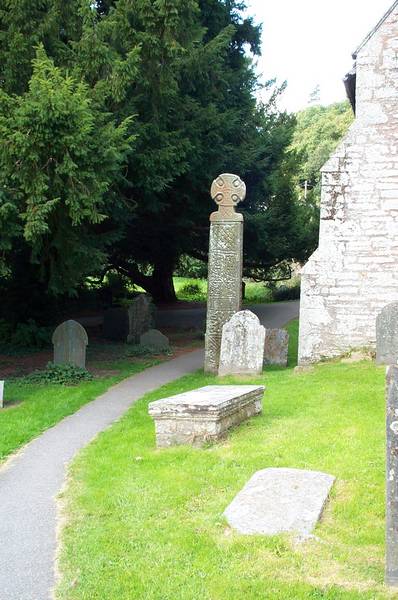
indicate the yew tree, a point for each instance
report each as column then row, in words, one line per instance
column 116, row 116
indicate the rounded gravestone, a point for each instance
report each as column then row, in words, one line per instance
column 387, row 335
column 242, row 345
column 70, row 341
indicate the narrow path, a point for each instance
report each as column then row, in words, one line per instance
column 274, row 314
column 30, row 482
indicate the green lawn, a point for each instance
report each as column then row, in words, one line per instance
column 147, row 524
column 31, row 409
column 255, row 292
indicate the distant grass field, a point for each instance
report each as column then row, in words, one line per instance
column 142, row 523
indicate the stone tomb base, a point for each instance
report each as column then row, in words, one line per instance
column 205, row 414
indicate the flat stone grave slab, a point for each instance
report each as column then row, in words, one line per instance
column 205, row 414
column 276, row 501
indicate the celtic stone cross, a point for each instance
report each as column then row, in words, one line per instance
column 227, row 191
column 224, row 294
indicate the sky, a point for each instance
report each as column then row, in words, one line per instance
column 310, row 43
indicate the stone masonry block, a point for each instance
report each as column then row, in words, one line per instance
column 205, row 414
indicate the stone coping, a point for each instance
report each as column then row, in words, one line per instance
column 211, row 400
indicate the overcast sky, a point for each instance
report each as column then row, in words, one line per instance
column 310, row 42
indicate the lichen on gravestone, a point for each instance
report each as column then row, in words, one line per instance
column 242, row 345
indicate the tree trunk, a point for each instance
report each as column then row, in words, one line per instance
column 161, row 286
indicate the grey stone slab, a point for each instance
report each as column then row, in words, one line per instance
column 116, row 324
column 70, row 341
column 276, row 501
column 204, row 414
column 392, row 477
column 387, row 335
column 155, row 340
column 224, row 296
column 242, row 345
column 276, row 347
column 140, row 316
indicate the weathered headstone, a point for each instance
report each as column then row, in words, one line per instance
column 387, row 335
column 116, row 324
column 391, row 576
column 155, row 340
column 224, row 295
column 276, row 347
column 205, row 414
column 242, row 345
column 140, row 317
column 1, row 394
column 70, row 341
column 276, row 501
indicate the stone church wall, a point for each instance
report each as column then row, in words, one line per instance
column 354, row 271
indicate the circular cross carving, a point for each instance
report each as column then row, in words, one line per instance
column 228, row 190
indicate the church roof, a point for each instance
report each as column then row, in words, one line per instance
column 350, row 78
column 379, row 24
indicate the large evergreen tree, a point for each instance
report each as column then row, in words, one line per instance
column 135, row 106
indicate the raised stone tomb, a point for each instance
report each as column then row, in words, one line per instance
column 205, row 414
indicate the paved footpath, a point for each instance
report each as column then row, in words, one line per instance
column 30, row 481
column 274, row 314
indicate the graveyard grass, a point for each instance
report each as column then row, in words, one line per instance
column 147, row 523
column 185, row 288
column 30, row 409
